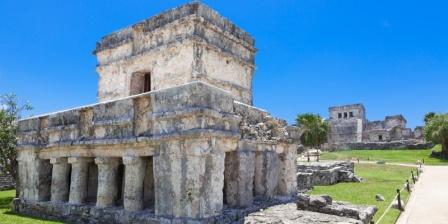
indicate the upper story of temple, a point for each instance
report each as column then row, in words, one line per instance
column 185, row 44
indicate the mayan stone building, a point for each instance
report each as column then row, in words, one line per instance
column 174, row 136
column 349, row 125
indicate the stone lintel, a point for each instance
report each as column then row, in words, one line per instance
column 107, row 161
column 60, row 160
column 73, row 160
column 132, row 160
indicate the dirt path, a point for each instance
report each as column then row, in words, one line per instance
column 429, row 201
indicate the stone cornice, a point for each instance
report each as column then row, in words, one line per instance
column 125, row 35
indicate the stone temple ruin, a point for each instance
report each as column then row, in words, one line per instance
column 174, row 137
column 350, row 129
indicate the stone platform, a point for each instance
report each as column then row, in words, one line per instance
column 324, row 174
column 90, row 214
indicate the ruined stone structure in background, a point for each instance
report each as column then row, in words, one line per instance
column 351, row 129
column 174, row 137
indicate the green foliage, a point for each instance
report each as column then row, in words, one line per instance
column 429, row 116
column 436, row 130
column 10, row 111
column 315, row 129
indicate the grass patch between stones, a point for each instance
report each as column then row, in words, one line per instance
column 8, row 217
column 378, row 179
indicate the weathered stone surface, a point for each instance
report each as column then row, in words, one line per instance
column 266, row 173
column 325, row 173
column 350, row 129
column 239, row 176
column 7, row 182
column 60, row 184
column 324, row 204
column 135, row 168
column 289, row 214
column 172, row 140
column 189, row 43
column 79, row 179
column 407, row 144
column 107, row 181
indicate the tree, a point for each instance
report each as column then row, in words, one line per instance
column 429, row 116
column 314, row 128
column 436, row 130
column 10, row 113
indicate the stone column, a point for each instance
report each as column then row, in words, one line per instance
column 60, row 180
column 239, row 176
column 78, row 186
column 133, row 187
column 189, row 178
column 287, row 181
column 107, row 181
column 266, row 172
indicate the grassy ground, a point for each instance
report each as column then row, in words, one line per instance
column 390, row 156
column 7, row 217
column 378, row 179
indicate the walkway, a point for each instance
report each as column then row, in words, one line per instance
column 429, row 201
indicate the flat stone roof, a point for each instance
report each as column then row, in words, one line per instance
column 195, row 8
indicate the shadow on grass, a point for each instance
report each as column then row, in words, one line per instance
column 5, row 202
column 439, row 157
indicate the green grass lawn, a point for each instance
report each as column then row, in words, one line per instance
column 7, row 217
column 378, row 179
column 390, row 156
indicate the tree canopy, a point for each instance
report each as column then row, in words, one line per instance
column 10, row 112
column 436, row 130
column 315, row 129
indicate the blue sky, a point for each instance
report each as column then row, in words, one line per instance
column 390, row 55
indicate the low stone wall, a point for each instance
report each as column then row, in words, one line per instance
column 324, row 204
column 325, row 173
column 379, row 145
column 6, row 182
column 90, row 214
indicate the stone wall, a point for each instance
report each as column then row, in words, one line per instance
column 6, row 182
column 349, row 125
column 185, row 44
column 324, row 173
column 324, row 204
column 198, row 139
column 409, row 144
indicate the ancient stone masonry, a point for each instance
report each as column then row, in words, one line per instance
column 6, row 182
column 348, row 124
column 324, row 174
column 174, row 136
column 325, row 204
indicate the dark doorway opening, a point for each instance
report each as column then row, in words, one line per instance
column 140, row 83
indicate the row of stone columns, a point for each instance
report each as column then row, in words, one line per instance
column 75, row 189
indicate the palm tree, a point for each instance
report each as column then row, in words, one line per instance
column 436, row 130
column 315, row 129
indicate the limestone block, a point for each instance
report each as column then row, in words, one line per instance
column 79, row 179
column 60, row 184
column 189, row 178
column 287, row 184
column 266, row 173
column 239, row 176
column 107, row 181
column 133, row 186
